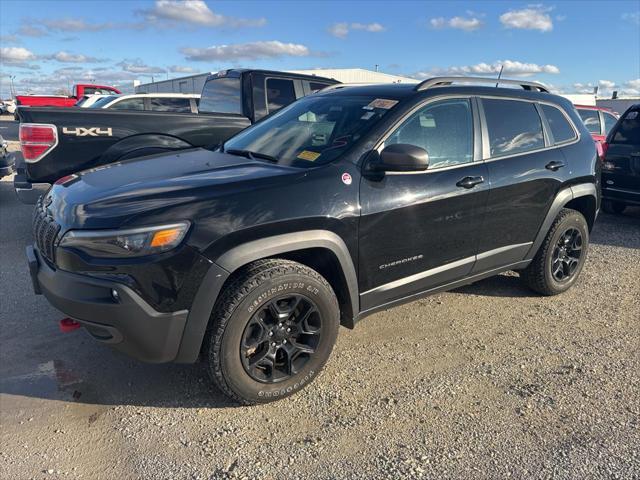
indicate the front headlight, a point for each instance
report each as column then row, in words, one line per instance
column 134, row 242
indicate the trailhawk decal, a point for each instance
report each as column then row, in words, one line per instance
column 88, row 131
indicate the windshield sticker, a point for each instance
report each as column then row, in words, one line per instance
column 381, row 103
column 346, row 179
column 308, row 155
column 367, row 115
column 631, row 115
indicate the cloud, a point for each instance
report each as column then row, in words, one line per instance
column 341, row 29
column 511, row 68
column 137, row 66
column 75, row 25
column 461, row 23
column 9, row 39
column 31, row 31
column 247, row 51
column 633, row 17
column 633, row 84
column 534, row 17
column 66, row 57
column 606, row 84
column 195, row 12
column 181, row 69
column 16, row 55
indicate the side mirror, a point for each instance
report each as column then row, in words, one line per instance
column 402, row 157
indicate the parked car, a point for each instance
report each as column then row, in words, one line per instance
column 344, row 203
column 155, row 102
column 57, row 142
column 621, row 163
column 598, row 120
column 79, row 91
column 6, row 159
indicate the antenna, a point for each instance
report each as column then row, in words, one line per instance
column 500, row 75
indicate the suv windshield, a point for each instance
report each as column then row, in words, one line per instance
column 313, row 130
column 221, row 95
column 103, row 101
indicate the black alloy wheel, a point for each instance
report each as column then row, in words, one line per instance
column 566, row 255
column 281, row 338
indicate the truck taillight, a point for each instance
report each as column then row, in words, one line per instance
column 36, row 140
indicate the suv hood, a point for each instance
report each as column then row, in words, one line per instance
column 112, row 195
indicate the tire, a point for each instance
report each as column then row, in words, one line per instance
column 548, row 274
column 244, row 315
column 614, row 208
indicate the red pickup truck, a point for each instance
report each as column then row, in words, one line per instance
column 64, row 101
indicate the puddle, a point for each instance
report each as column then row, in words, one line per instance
column 49, row 380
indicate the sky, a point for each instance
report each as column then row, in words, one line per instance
column 572, row 46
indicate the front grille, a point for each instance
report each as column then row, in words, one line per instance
column 45, row 232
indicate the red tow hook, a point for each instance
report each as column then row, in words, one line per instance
column 68, row 325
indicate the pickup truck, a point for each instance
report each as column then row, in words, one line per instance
column 79, row 91
column 58, row 142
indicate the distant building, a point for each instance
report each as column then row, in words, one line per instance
column 356, row 75
column 619, row 104
column 190, row 84
column 194, row 83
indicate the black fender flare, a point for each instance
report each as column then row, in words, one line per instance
column 142, row 142
column 245, row 253
column 563, row 197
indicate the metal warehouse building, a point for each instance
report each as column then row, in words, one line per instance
column 194, row 83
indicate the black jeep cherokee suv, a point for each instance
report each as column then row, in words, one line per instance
column 344, row 203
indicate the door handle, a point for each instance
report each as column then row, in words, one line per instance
column 554, row 166
column 470, row 182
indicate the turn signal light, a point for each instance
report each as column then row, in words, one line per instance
column 166, row 237
column 36, row 140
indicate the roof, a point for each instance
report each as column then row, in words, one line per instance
column 240, row 71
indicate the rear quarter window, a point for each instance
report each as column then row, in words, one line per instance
column 514, row 126
column 561, row 129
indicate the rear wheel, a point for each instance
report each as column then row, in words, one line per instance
column 272, row 331
column 616, row 208
column 558, row 263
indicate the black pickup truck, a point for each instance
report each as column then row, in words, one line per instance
column 57, row 142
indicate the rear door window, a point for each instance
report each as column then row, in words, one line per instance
column 315, row 86
column 591, row 120
column 513, row 126
column 129, row 104
column 561, row 129
column 280, row 93
column 609, row 122
column 628, row 131
column 178, row 105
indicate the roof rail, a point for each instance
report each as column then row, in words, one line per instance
column 335, row 86
column 444, row 81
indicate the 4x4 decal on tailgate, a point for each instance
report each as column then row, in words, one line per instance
column 87, row 131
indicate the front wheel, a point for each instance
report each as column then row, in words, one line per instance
column 272, row 331
column 558, row 263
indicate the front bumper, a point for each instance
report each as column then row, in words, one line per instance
column 122, row 319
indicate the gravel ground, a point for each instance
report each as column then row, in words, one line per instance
column 488, row 381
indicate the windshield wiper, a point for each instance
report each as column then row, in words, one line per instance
column 251, row 155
